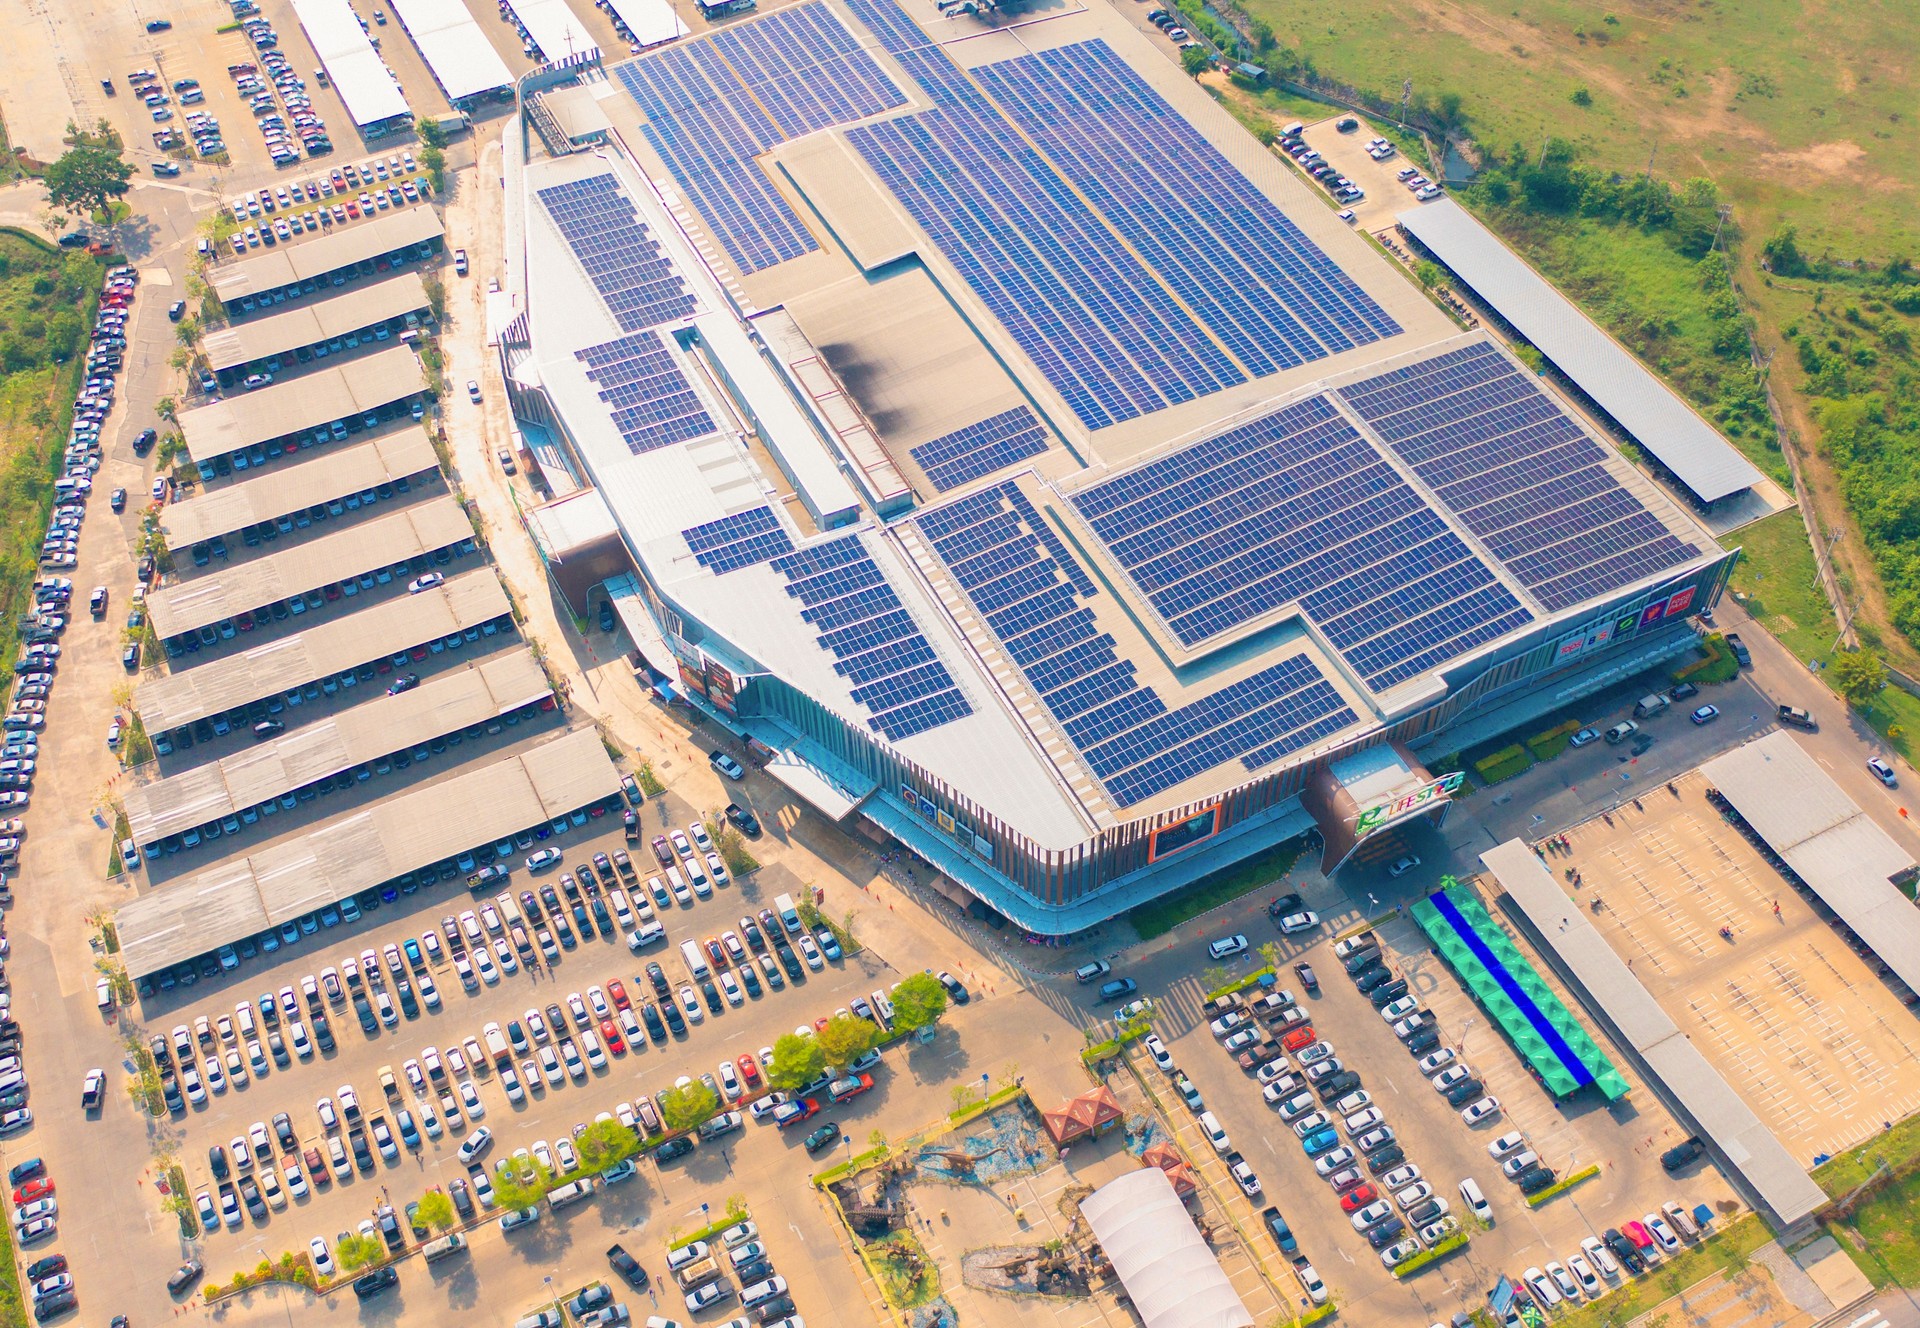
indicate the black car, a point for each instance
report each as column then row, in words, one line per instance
column 1423, row 1042
column 372, row 1284
column 406, row 682
column 117, row 500
column 628, row 1267
column 41, row 1269
column 673, row 1148
column 184, row 1276
column 788, row 961
column 48, row 1307
column 1337, row 1085
column 656, row 1027
column 1386, row 1233
column 1681, row 1154
column 1465, row 1091
column 773, row 1311
column 1385, row 1159
column 143, row 442
column 748, row 824
column 1285, row 906
column 675, row 1020
column 1626, row 1251
column 711, row 994
column 658, row 977
column 1369, row 978
column 825, row 1136
column 1534, row 1179
column 217, row 1161
column 1388, row 993
column 757, row 1270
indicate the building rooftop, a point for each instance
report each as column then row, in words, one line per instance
column 458, row 54
column 311, row 401
column 364, row 546
column 466, row 600
column 1602, row 368
column 325, row 254
column 355, row 67
column 294, row 876
column 345, row 472
column 350, row 311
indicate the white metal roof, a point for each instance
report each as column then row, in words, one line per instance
column 554, row 29
column 294, row 876
column 1612, row 991
column 354, row 66
column 277, row 666
column 343, row 246
column 223, row 427
column 288, row 489
column 350, row 311
column 1643, row 405
column 650, row 21
column 1173, row 1279
column 455, row 49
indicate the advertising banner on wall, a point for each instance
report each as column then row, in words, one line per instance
column 721, row 684
column 1202, row 825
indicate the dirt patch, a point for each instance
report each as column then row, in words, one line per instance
column 1833, row 160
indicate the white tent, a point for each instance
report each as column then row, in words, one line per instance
column 1172, row 1277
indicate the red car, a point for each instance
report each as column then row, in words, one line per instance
column 1300, row 1037
column 610, row 1034
column 715, row 953
column 618, row 995
column 1357, row 1198
column 1639, row 1235
column 663, row 850
column 749, row 1071
column 38, row 1188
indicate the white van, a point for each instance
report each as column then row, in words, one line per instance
column 696, row 962
column 435, row 1250
column 1476, row 1201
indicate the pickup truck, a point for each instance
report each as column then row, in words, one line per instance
column 1310, row 1281
column 1282, row 1233
column 1798, row 718
column 1243, row 1175
column 1739, row 649
column 490, row 877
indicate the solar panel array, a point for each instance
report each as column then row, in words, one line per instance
column 1519, row 473
column 875, row 642
column 712, row 106
column 1234, row 258
column 739, row 540
column 980, row 449
column 621, row 258
column 650, row 400
column 1297, row 507
column 1133, row 264
column 1031, row 592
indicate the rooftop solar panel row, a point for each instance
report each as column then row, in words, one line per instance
column 649, row 399
column 1519, row 473
column 620, row 257
column 714, row 105
column 995, row 443
column 739, row 540
column 1295, row 507
column 1030, row 591
column 874, row 640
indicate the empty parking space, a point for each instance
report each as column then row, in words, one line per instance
column 1797, row 1021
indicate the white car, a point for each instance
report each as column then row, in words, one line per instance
column 1669, row 1243
column 322, row 1257
column 1434, row 1061
column 1158, row 1050
column 1583, row 1274
column 1563, row 1281
column 1403, row 866
column 1450, row 1076
column 1510, row 1142
column 470, row 1099
column 1542, row 1287
column 1226, row 947
column 1600, row 1256
column 1394, row 1011
column 1295, row 923
column 475, row 1144
column 1484, row 1109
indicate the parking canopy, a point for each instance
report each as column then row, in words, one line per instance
column 1171, row 1276
column 1513, row 994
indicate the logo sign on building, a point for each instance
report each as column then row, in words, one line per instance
column 1680, row 602
column 1204, row 824
column 1372, row 818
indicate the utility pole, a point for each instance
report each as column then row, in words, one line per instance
column 1725, row 210
column 1654, row 152
column 1406, row 99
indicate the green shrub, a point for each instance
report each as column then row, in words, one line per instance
column 1546, row 746
column 1503, row 764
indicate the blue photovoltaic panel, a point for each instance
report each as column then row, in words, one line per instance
column 622, row 260
column 873, row 639
column 1297, row 507
column 980, row 449
column 740, row 540
column 714, row 105
column 1029, row 590
column 1519, row 473
column 1251, row 276
column 648, row 398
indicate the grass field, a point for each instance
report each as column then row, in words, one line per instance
column 1256, row 873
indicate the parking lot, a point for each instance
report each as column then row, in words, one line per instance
column 1625, row 1139
column 1797, row 1021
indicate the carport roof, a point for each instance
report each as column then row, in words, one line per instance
column 1616, row 996
column 178, row 699
column 310, row 324
column 377, row 728
column 343, row 246
column 362, row 547
column 288, row 489
column 311, row 401
column 1172, row 1277
column 282, row 881
column 1837, row 849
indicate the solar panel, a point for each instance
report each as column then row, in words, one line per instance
column 715, row 104
column 980, row 449
column 619, row 255
column 1295, row 507
column 739, row 540
column 874, row 640
column 1031, row 593
column 1519, row 473
column 650, row 401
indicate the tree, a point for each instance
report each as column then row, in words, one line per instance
column 434, row 162
column 513, row 1190
column 1580, row 97
column 1428, row 274
column 918, row 1001
column 436, row 1210
column 604, row 1144
column 1782, row 251
column 688, row 1105
column 1195, row 60
column 167, row 409
column 432, row 133
column 845, row 1037
column 1857, row 675
column 797, row 1060
column 86, row 179
column 356, row 1251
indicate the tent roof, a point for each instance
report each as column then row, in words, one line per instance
column 1173, row 1279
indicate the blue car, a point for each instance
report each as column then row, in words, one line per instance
column 1320, row 1141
